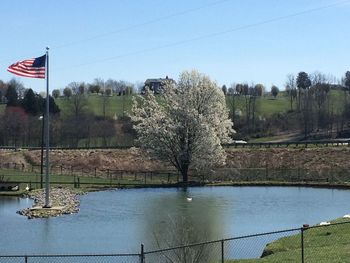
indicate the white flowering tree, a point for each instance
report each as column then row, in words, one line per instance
column 186, row 124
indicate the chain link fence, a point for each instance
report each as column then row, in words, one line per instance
column 112, row 258
column 325, row 243
column 328, row 243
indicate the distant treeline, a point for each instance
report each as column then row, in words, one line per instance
column 21, row 122
column 314, row 105
column 319, row 106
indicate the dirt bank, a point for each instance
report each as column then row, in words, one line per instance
column 134, row 159
column 314, row 159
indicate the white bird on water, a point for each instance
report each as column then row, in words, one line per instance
column 189, row 199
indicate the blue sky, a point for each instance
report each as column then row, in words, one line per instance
column 229, row 40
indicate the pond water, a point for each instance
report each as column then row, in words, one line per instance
column 118, row 221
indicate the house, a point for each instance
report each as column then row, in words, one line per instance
column 156, row 85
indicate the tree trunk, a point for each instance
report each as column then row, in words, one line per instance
column 184, row 173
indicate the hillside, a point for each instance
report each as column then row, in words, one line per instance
column 266, row 105
column 116, row 105
column 134, row 159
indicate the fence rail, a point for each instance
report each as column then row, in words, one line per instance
column 322, row 243
column 324, row 143
column 78, row 176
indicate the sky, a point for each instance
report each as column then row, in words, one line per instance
column 232, row 41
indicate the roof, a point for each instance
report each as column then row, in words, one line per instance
column 159, row 80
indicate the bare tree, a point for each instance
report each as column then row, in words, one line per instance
column 78, row 101
column 232, row 103
column 291, row 89
column 182, row 233
column 102, row 84
column 18, row 86
column 303, row 84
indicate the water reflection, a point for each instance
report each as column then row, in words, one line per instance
column 174, row 220
column 118, row 221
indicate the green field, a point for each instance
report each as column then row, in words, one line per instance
column 266, row 105
column 121, row 105
column 115, row 105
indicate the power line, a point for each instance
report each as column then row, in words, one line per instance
column 215, row 34
column 153, row 21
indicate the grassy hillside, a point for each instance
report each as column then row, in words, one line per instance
column 321, row 245
column 266, row 105
column 94, row 103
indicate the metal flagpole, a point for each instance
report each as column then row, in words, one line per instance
column 47, row 135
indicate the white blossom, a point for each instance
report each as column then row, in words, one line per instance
column 186, row 124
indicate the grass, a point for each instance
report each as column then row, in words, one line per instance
column 115, row 105
column 270, row 138
column 121, row 105
column 266, row 105
column 85, row 181
column 329, row 244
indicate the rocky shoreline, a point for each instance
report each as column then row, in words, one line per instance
column 63, row 201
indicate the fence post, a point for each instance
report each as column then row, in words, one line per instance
column 302, row 244
column 222, row 252
column 142, row 255
column 25, row 259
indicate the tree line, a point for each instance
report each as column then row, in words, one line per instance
column 21, row 122
column 319, row 105
column 98, row 86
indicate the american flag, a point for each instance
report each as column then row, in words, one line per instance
column 31, row 68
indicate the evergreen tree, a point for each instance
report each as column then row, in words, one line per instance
column 53, row 108
column 31, row 103
column 11, row 96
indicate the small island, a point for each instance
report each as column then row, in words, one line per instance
column 63, row 201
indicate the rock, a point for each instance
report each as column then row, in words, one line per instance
column 266, row 252
column 63, row 201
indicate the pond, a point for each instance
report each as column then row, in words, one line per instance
column 118, row 221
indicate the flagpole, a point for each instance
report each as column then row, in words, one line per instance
column 47, row 135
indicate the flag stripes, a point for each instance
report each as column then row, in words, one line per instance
column 31, row 68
